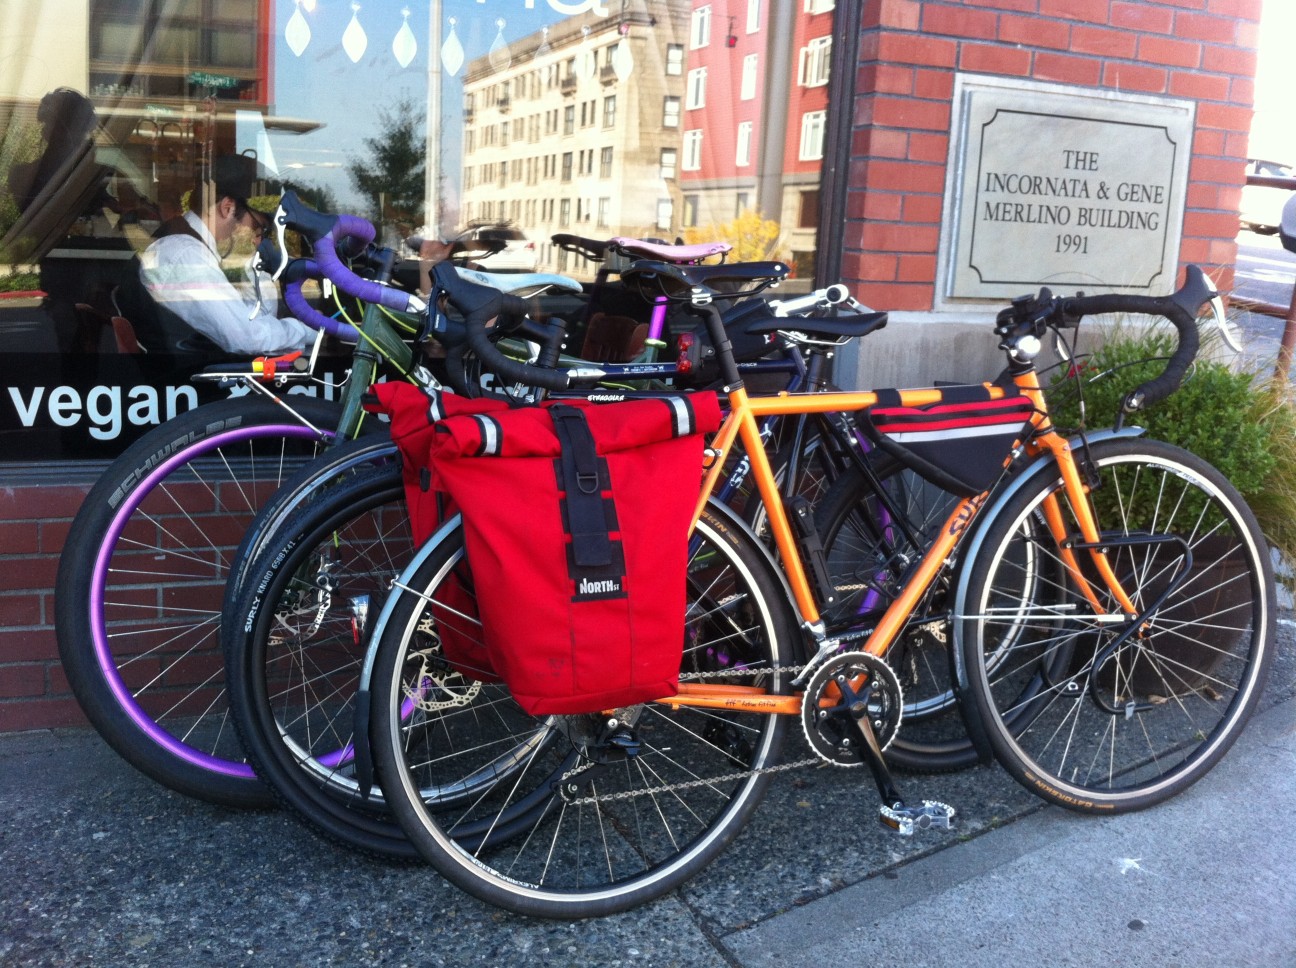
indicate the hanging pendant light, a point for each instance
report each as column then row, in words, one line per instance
column 500, row 56
column 452, row 52
column 297, row 33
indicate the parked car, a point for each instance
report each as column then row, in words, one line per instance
column 1262, row 206
column 518, row 254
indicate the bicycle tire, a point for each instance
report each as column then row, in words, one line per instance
column 866, row 557
column 295, row 646
column 124, row 637
column 1076, row 716
column 737, row 620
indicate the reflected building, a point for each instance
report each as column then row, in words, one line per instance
column 755, row 112
column 579, row 132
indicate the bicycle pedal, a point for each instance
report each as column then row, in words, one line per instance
column 932, row 815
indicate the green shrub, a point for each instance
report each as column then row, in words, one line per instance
column 1240, row 421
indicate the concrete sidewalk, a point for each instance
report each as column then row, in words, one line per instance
column 102, row 867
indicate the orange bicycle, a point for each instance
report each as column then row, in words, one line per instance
column 1111, row 601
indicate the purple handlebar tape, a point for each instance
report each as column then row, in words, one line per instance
column 346, row 280
column 312, row 317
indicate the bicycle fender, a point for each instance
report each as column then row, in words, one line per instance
column 363, row 756
column 1031, row 473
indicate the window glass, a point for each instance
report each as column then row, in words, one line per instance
column 748, row 84
column 670, row 111
column 742, row 156
column 700, row 28
column 481, row 119
column 696, row 97
column 692, row 150
column 812, row 132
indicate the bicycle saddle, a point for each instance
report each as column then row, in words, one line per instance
column 666, row 252
column 513, row 281
column 706, row 277
column 837, row 327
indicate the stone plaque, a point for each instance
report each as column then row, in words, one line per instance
column 1066, row 187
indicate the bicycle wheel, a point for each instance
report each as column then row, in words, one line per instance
column 868, row 559
column 595, row 820
column 296, row 645
column 1083, row 707
column 334, row 465
column 139, row 586
column 816, row 470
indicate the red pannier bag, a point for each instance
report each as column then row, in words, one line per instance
column 960, row 443
column 414, row 412
column 576, row 520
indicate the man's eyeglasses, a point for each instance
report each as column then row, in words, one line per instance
column 256, row 221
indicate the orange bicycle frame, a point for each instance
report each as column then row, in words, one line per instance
column 741, row 425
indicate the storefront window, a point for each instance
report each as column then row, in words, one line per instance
column 449, row 117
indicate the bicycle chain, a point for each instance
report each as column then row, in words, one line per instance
column 686, row 784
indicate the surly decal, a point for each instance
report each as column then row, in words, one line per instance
column 966, row 513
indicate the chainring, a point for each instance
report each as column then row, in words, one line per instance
column 826, row 720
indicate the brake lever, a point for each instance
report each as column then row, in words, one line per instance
column 1217, row 313
column 281, row 228
column 258, row 307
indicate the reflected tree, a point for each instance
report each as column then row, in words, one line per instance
column 390, row 175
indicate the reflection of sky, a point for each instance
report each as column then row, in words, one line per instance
column 324, row 85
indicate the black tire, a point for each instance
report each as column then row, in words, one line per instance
column 141, row 578
column 295, row 652
column 1077, row 717
column 738, row 620
column 868, row 556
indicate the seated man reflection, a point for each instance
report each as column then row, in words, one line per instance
column 183, row 272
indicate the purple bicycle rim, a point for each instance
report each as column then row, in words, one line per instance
column 125, row 700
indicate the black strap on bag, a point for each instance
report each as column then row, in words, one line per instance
column 580, row 477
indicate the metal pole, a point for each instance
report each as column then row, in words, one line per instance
column 432, row 173
column 1288, row 347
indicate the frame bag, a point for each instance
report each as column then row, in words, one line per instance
column 961, row 443
column 576, row 522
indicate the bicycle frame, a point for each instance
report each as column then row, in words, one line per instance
column 741, row 425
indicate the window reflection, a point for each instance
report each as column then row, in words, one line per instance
column 661, row 119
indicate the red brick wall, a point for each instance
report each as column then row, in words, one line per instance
column 1202, row 50
column 34, row 520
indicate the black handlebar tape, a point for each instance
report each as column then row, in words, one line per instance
column 455, row 374
column 481, row 304
column 301, row 218
column 1172, row 308
column 300, row 269
column 549, row 334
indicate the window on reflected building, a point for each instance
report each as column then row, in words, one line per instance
column 634, row 118
column 700, row 27
column 671, row 111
